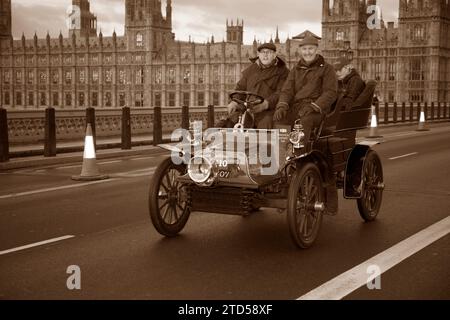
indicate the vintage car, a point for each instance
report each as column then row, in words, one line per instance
column 224, row 175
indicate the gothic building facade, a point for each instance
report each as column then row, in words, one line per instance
column 147, row 67
column 410, row 60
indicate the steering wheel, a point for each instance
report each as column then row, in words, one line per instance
column 245, row 100
column 250, row 99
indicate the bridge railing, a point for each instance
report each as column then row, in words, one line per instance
column 410, row 112
column 46, row 127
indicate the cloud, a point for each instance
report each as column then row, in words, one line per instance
column 389, row 9
column 28, row 20
column 260, row 17
column 198, row 18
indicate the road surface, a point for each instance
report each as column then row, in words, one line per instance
column 49, row 222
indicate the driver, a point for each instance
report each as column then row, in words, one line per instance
column 310, row 89
column 265, row 77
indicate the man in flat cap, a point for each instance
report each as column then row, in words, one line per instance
column 350, row 83
column 310, row 89
column 265, row 77
column 308, row 94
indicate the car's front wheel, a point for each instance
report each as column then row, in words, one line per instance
column 305, row 205
column 168, row 199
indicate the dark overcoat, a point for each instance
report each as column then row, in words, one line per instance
column 264, row 81
column 349, row 90
column 315, row 83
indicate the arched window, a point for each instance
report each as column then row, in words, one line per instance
column 416, row 69
column 377, row 70
column 418, row 32
column 139, row 40
column 340, row 35
column 187, row 74
column 43, row 77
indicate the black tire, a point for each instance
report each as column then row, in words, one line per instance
column 168, row 199
column 306, row 189
column 372, row 187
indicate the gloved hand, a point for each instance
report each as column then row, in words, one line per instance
column 307, row 109
column 260, row 107
column 280, row 113
column 232, row 106
column 316, row 107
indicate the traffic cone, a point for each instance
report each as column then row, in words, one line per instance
column 421, row 126
column 373, row 125
column 89, row 171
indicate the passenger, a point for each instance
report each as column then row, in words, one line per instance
column 308, row 94
column 265, row 77
column 350, row 87
column 350, row 84
column 309, row 91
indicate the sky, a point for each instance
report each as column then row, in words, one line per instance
column 198, row 19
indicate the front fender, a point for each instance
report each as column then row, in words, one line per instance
column 319, row 159
column 171, row 148
column 178, row 155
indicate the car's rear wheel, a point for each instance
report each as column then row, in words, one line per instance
column 305, row 205
column 372, row 187
column 169, row 199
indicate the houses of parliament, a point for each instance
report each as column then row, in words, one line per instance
column 147, row 67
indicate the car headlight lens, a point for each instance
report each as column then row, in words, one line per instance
column 296, row 138
column 199, row 169
column 205, row 169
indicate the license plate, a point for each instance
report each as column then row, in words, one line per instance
column 224, row 174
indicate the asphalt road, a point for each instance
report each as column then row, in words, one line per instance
column 121, row 256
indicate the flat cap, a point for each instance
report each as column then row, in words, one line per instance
column 309, row 40
column 341, row 62
column 267, row 45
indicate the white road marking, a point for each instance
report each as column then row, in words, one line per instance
column 79, row 165
column 400, row 135
column 36, row 244
column 128, row 174
column 143, row 174
column 27, row 193
column 69, row 167
column 404, row 156
column 22, row 171
column 142, row 158
column 346, row 283
column 137, row 173
column 110, row 162
column 406, row 134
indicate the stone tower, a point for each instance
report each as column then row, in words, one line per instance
column 5, row 20
column 145, row 26
column 343, row 23
column 424, row 41
column 235, row 33
column 82, row 22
